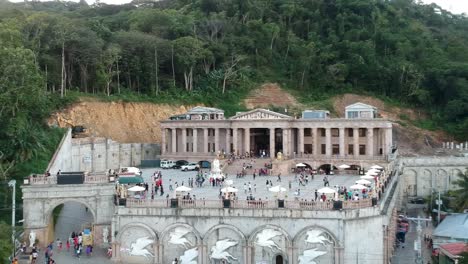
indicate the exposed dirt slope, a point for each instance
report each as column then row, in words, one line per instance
column 269, row 94
column 122, row 122
column 139, row 122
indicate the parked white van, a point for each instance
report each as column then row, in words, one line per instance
column 167, row 164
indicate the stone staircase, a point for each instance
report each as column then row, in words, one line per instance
column 236, row 166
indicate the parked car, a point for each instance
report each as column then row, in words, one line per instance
column 417, row 200
column 179, row 164
column 167, row 164
column 190, row 166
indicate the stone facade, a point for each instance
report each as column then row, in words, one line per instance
column 263, row 130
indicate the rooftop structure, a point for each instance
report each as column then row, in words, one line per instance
column 454, row 228
column 315, row 114
column 360, row 111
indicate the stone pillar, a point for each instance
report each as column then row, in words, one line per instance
column 205, row 140
column 285, row 141
column 234, row 141
column 300, row 141
column 195, row 140
column 217, row 148
column 174, row 140
column 342, row 142
column 228, row 141
column 370, row 142
column 163, row 142
column 272, row 143
column 356, row 141
column 184, row 140
column 388, row 140
column 247, row 139
column 314, row 141
column 328, row 145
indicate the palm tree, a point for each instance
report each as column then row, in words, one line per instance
column 461, row 195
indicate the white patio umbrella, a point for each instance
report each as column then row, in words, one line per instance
column 300, row 165
column 374, row 170
column 136, row 188
column 228, row 182
column 344, row 166
column 367, row 177
column 372, row 173
column 377, row 167
column 183, row 189
column 326, row 190
column 357, row 187
column 229, row 190
column 363, row 182
column 277, row 188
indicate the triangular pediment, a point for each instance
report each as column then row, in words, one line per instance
column 359, row 105
column 259, row 114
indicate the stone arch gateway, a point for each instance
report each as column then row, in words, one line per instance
column 40, row 200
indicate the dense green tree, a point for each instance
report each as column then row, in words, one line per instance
column 461, row 195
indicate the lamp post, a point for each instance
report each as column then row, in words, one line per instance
column 12, row 184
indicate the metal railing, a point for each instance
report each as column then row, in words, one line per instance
column 38, row 179
column 250, row 204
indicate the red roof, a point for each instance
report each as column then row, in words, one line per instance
column 455, row 248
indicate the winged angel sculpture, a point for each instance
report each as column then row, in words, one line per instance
column 189, row 256
column 316, row 236
column 219, row 251
column 265, row 239
column 138, row 248
column 177, row 237
column 309, row 256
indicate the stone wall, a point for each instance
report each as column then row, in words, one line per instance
column 99, row 154
column 421, row 175
column 251, row 235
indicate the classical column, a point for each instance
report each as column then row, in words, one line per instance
column 300, row 141
column 184, row 140
column 272, row 142
column 216, row 135
column 234, row 141
column 370, row 142
column 285, row 141
column 314, row 141
column 163, row 142
column 356, row 141
column 247, row 139
column 388, row 140
column 228, row 141
column 328, row 145
column 195, row 140
column 174, row 140
column 342, row 141
column 205, row 140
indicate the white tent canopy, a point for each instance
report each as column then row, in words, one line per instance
column 372, row 173
column 363, row 182
column 300, row 165
column 136, row 188
column 376, row 167
column 326, row 190
column 367, row 177
column 229, row 190
column 357, row 187
column 183, row 189
column 344, row 166
column 277, row 188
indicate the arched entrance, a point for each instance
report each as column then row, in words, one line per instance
column 327, row 168
column 279, row 259
column 68, row 217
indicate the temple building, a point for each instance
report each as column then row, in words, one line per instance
column 204, row 132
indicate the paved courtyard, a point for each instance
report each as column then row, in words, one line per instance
column 258, row 186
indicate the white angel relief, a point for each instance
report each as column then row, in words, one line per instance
column 219, row 251
column 177, row 237
column 265, row 239
column 316, row 236
column 309, row 256
column 139, row 247
column 189, row 257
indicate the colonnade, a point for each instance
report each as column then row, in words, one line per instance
column 318, row 141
